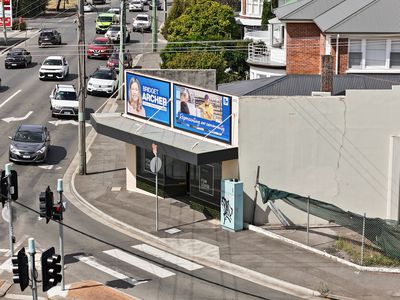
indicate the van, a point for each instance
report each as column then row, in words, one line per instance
column 104, row 21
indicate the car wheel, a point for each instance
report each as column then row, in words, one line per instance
column 128, row 38
column 26, row 64
column 6, row 66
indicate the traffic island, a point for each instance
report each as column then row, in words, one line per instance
column 4, row 287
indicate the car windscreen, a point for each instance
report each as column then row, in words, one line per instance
column 52, row 62
column 140, row 18
column 114, row 28
column 14, row 54
column 46, row 33
column 29, row 137
column 100, row 42
column 61, row 95
column 103, row 74
column 104, row 19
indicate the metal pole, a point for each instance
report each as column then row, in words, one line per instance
column 156, row 192
column 154, row 26
column 32, row 251
column 308, row 220
column 362, row 240
column 122, row 31
column 165, row 10
column 82, row 89
column 61, row 232
column 4, row 22
column 255, row 197
column 10, row 216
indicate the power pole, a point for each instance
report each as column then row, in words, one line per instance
column 154, row 26
column 82, row 89
column 4, row 22
column 122, row 37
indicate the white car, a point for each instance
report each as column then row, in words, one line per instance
column 103, row 80
column 115, row 11
column 136, row 5
column 54, row 67
column 88, row 7
column 113, row 33
column 141, row 22
column 64, row 100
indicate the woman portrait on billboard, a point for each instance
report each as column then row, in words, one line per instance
column 135, row 104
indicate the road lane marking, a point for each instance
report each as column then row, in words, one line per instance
column 90, row 260
column 66, row 122
column 9, row 98
column 139, row 263
column 176, row 260
column 22, row 297
column 13, row 119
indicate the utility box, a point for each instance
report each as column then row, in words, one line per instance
column 232, row 204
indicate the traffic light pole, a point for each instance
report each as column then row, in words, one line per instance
column 10, row 223
column 154, row 26
column 32, row 251
column 61, row 232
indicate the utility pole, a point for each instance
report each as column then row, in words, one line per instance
column 154, row 26
column 4, row 22
column 61, row 231
column 82, row 89
column 122, row 37
column 7, row 168
column 32, row 252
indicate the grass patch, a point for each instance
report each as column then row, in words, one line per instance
column 372, row 257
column 52, row 4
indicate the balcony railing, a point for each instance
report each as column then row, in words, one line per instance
column 259, row 53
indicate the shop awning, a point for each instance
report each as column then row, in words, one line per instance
column 174, row 144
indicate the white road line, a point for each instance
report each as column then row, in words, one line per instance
column 13, row 119
column 89, row 260
column 56, row 291
column 139, row 263
column 181, row 262
column 6, row 266
column 9, row 98
column 22, row 297
column 3, row 250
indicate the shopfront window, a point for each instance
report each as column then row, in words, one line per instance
column 143, row 159
column 205, row 183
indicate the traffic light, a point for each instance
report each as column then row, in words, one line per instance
column 3, row 188
column 14, row 185
column 46, row 200
column 57, row 212
column 51, row 269
column 20, row 269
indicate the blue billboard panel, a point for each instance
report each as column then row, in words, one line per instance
column 202, row 112
column 148, row 98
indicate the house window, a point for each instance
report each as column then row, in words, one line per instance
column 395, row 54
column 254, row 7
column 375, row 53
column 355, row 54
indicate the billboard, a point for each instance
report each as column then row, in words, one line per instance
column 148, row 98
column 202, row 112
column 7, row 13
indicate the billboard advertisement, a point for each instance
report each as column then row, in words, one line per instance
column 202, row 112
column 148, row 98
column 7, row 13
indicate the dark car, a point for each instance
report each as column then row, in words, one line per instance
column 49, row 37
column 113, row 61
column 17, row 57
column 159, row 4
column 30, row 144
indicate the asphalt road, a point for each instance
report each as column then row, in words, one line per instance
column 92, row 250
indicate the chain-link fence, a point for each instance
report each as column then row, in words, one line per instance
column 363, row 240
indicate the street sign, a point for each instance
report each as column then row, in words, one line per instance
column 7, row 13
column 155, row 164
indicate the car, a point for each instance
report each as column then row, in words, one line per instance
column 54, row 67
column 88, row 7
column 17, row 57
column 49, row 36
column 113, row 33
column 64, row 101
column 103, row 80
column 104, row 21
column 114, row 10
column 95, row 2
column 158, row 4
column 101, row 47
column 30, row 143
column 113, row 61
column 142, row 22
column 136, row 5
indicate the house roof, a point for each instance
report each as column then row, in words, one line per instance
column 345, row 16
column 304, row 85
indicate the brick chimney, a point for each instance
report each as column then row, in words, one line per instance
column 326, row 73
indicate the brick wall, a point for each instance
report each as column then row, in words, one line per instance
column 343, row 55
column 305, row 45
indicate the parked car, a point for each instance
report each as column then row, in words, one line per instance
column 113, row 61
column 141, row 22
column 159, row 4
column 103, row 80
column 64, row 101
column 113, row 33
column 101, row 47
column 95, row 2
column 104, row 21
column 17, row 57
column 49, row 36
column 136, row 5
column 54, row 67
column 30, row 143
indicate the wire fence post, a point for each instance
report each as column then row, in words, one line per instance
column 362, row 240
column 308, row 220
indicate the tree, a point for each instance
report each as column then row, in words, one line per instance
column 265, row 15
column 177, row 9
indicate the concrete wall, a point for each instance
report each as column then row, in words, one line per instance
column 335, row 149
column 202, row 78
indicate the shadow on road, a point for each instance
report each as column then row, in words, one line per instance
column 56, row 155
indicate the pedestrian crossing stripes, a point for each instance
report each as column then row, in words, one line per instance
column 181, row 262
column 139, row 263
